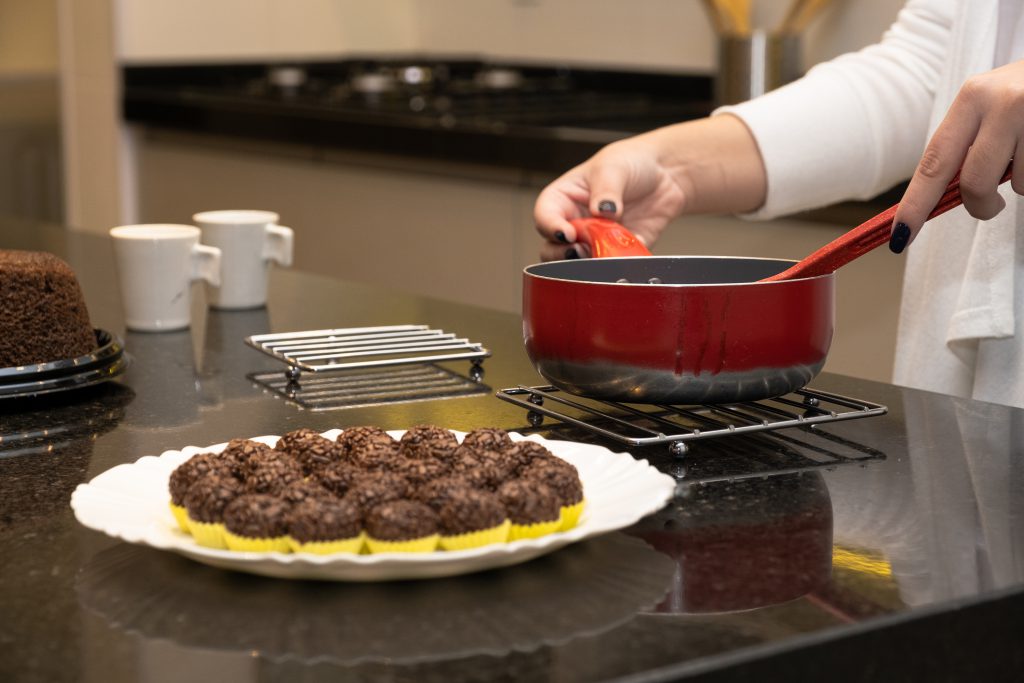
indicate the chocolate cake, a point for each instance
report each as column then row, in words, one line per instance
column 402, row 520
column 467, row 511
column 324, row 520
column 43, row 316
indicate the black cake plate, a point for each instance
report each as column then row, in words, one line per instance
column 106, row 362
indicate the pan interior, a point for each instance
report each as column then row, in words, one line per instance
column 670, row 270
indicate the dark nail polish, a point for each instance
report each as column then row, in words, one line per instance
column 571, row 253
column 560, row 236
column 607, row 206
column 899, row 239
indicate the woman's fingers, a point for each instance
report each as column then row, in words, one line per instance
column 555, row 206
column 983, row 168
column 941, row 161
column 607, row 185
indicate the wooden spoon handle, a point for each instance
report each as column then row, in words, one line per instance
column 870, row 234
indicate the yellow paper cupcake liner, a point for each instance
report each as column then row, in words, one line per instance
column 426, row 544
column 571, row 515
column 475, row 539
column 518, row 531
column 207, row 534
column 345, row 545
column 181, row 517
column 278, row 544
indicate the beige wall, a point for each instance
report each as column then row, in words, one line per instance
column 652, row 34
column 28, row 38
column 152, row 31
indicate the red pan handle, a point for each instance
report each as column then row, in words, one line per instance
column 607, row 238
column 868, row 235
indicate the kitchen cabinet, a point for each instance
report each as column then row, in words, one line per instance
column 463, row 232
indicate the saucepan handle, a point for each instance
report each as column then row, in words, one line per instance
column 605, row 237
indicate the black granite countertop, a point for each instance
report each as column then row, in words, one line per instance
column 888, row 548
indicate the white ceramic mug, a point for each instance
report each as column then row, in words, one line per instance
column 249, row 241
column 156, row 265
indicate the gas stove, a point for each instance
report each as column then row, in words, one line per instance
column 445, row 94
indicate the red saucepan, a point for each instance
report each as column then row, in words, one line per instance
column 687, row 329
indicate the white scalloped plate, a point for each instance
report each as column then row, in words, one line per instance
column 130, row 502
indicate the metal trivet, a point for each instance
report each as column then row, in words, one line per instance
column 645, row 425
column 366, row 347
column 362, row 388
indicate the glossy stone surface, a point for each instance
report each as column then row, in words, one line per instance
column 907, row 560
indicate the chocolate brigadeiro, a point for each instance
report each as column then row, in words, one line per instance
column 529, row 502
column 206, row 499
column 419, row 471
column 239, row 452
column 488, row 439
column 373, row 454
column 439, row 491
column 402, row 520
column 428, row 441
column 271, row 476
column 256, row 515
column 191, row 471
column 339, row 477
column 565, row 483
column 481, row 473
column 503, row 463
column 317, row 521
column 357, row 438
column 526, row 452
column 303, row 490
column 467, row 511
column 311, row 450
column 374, row 488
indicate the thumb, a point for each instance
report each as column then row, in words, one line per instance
column 607, row 184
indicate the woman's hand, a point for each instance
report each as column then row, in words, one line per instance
column 982, row 131
column 709, row 165
column 625, row 181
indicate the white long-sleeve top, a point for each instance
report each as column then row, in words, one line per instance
column 858, row 124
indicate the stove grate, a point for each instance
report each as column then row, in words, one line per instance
column 645, row 425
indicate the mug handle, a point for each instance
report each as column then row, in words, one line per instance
column 278, row 245
column 206, row 264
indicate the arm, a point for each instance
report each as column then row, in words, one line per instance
column 706, row 166
column 856, row 125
